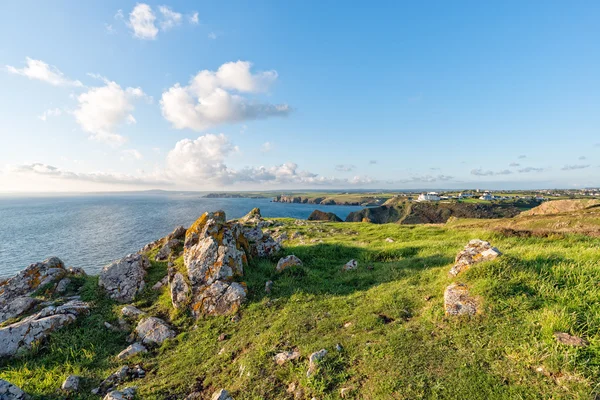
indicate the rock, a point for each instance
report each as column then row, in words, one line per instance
column 221, row 395
column 132, row 312
column 474, row 252
column 125, row 394
column 314, row 360
column 338, row 347
column 280, row 236
column 111, row 327
column 350, row 265
column 389, row 240
column 268, row 287
column 318, row 215
column 165, row 251
column 220, row 298
column 121, row 375
column 76, row 271
column 296, row 235
column 570, row 340
column 222, row 337
column 71, row 384
column 282, row 358
column 160, row 283
column 124, row 279
column 345, row 392
column 132, row 350
column 252, row 218
column 8, row 391
column 177, row 234
column 153, row 331
column 21, row 335
column 457, row 300
column 287, row 262
column 265, row 247
column 15, row 292
column 62, row 285
column 180, row 291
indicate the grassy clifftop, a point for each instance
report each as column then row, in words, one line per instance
column 387, row 318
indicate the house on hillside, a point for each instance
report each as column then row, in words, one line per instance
column 486, row 196
column 430, row 196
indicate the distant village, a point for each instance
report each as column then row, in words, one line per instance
column 487, row 195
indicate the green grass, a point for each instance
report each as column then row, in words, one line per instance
column 396, row 341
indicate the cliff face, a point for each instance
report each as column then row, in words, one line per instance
column 329, row 201
column 430, row 213
column 319, row 215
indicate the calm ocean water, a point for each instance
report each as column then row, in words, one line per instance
column 91, row 231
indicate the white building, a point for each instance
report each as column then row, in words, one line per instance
column 431, row 196
column 487, row 196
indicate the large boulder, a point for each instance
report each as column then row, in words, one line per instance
column 8, row 391
column 287, row 262
column 476, row 251
column 124, row 279
column 220, row 298
column 21, row 335
column 319, row 215
column 458, row 301
column 154, row 331
column 15, row 292
column 262, row 244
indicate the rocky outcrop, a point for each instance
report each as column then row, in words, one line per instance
column 124, row 279
column 287, row 262
column 123, row 374
column 458, row 301
column 153, row 331
column 166, row 250
column 474, row 252
column 430, row 212
column 15, row 292
column 261, row 243
column 21, row 335
column 220, row 298
column 180, row 291
column 8, row 391
column 319, row 215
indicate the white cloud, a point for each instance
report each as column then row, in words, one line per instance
column 109, row 29
column 571, row 167
column 582, row 158
column 96, row 177
column 37, row 69
column 344, row 167
column 514, row 164
column 102, row 109
column 52, row 112
column 530, row 169
column 131, row 154
column 202, row 162
column 170, row 18
column 209, row 100
column 141, row 21
column 194, row 19
column 481, row 172
column 266, row 147
column 212, row 35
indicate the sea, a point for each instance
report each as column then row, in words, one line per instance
column 90, row 231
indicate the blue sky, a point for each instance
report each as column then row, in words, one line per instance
column 299, row 95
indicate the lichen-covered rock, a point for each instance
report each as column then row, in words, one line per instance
column 458, row 301
column 180, row 291
column 350, row 265
column 265, row 247
column 124, row 279
column 165, row 251
column 132, row 350
column 178, row 233
column 123, row 374
column 476, row 251
column 252, row 218
column 220, row 298
column 221, row 395
column 62, row 285
column 313, row 361
column 125, row 394
column 15, row 291
column 71, row 384
column 287, row 262
column 21, row 335
column 153, row 331
column 8, row 391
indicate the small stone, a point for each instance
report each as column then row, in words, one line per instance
column 347, row 324
column 132, row 312
column 71, row 384
column 570, row 340
column 350, row 265
column 474, row 252
column 110, row 327
column 389, row 240
column 222, row 337
column 236, row 318
column 221, row 395
column 154, row 331
column 344, row 392
column 287, row 262
column 158, row 285
column 282, row 358
column 125, row 394
column 131, row 350
column 8, row 391
column 268, row 287
column 314, row 360
column 338, row 347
